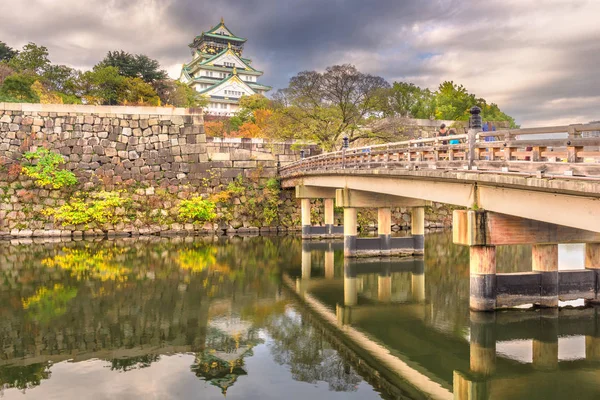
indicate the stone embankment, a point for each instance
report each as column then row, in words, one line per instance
column 150, row 159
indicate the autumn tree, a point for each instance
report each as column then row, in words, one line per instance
column 323, row 107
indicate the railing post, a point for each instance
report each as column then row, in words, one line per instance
column 474, row 128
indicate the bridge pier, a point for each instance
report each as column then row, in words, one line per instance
column 483, row 278
column 384, row 244
column 545, row 285
column 592, row 262
column 329, row 230
column 544, row 259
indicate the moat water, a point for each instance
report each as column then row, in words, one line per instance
column 247, row 318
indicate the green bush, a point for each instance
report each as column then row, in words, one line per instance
column 100, row 209
column 197, row 209
column 46, row 172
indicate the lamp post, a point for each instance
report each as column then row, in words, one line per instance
column 302, row 154
column 474, row 128
column 346, row 142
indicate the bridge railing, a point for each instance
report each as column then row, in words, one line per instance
column 547, row 151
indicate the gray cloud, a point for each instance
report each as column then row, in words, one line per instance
column 538, row 63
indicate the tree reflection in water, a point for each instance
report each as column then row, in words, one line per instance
column 310, row 358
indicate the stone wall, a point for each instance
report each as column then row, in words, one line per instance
column 151, row 145
column 154, row 158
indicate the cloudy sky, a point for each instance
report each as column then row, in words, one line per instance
column 537, row 59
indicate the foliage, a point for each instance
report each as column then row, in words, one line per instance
column 131, row 363
column 101, row 209
column 33, row 59
column 178, row 94
column 24, row 376
column 137, row 92
column 262, row 201
column 102, row 85
column 133, row 66
column 197, row 259
column 258, row 126
column 215, row 128
column 323, row 107
column 6, row 52
column 197, row 209
column 46, row 96
column 60, row 78
column 47, row 304
column 45, row 171
column 86, row 263
column 5, row 71
column 18, row 86
column 406, row 100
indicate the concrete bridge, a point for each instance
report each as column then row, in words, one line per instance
column 538, row 186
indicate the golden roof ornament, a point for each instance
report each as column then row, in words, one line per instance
column 229, row 45
column 222, row 21
column 234, row 70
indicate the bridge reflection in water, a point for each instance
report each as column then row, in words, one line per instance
column 421, row 341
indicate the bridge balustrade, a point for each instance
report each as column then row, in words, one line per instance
column 514, row 151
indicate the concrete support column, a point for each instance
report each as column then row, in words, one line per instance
column 328, row 215
column 350, row 231
column 592, row 261
column 417, row 286
column 329, row 264
column 483, row 278
column 384, row 288
column 306, row 261
column 417, row 227
column 544, row 259
column 384, row 228
column 305, row 210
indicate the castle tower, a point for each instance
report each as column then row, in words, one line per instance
column 219, row 71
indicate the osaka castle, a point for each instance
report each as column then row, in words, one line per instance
column 219, row 71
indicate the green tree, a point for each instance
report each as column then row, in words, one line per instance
column 32, row 59
column 102, row 85
column 6, row 52
column 137, row 92
column 60, row 78
column 453, row 102
column 134, row 65
column 18, row 87
column 178, row 94
column 405, row 100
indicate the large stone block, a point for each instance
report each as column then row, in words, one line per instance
column 220, row 156
column 245, row 164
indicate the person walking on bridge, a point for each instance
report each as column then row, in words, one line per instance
column 443, row 131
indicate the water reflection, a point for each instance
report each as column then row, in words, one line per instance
column 128, row 306
column 411, row 316
column 272, row 317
